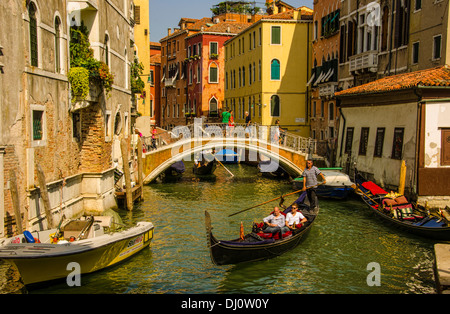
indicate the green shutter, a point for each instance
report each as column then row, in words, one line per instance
column 276, row 35
column 275, row 70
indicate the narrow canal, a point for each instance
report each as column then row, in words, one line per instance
column 333, row 259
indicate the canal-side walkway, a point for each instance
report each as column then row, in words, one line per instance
column 442, row 267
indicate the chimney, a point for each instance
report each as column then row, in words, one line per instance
column 169, row 30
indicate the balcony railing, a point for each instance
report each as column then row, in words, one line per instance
column 327, row 89
column 366, row 60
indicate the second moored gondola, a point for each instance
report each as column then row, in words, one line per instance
column 399, row 212
column 204, row 166
column 255, row 245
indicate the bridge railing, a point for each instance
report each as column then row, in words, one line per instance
column 269, row 133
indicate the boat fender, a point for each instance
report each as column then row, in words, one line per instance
column 28, row 237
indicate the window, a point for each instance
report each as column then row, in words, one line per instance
column 250, row 74
column 76, row 126
column 349, row 140
column 151, row 78
column 401, row 23
column 213, row 107
column 275, row 70
column 57, row 45
column 213, row 73
column 418, row 5
column 275, row 106
column 137, row 14
column 33, row 34
column 316, row 30
column 437, row 47
column 107, row 49
column 379, row 141
column 445, row 147
column 243, row 76
column 276, row 35
column 38, row 125
column 415, row 53
column 199, row 75
column 384, row 28
column 397, row 146
column 331, row 111
column 108, row 125
column 260, row 36
column 259, row 70
column 117, row 124
column 363, row 141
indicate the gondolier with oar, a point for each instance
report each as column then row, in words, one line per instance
column 310, row 182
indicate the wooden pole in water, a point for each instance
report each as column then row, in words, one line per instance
column 401, row 186
column 15, row 200
column 140, row 169
column 126, row 172
column 44, row 195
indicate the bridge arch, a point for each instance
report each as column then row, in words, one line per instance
column 158, row 161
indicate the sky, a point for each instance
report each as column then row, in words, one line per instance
column 166, row 14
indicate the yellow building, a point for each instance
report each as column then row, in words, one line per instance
column 267, row 68
column 142, row 53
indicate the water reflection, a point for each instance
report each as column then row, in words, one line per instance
column 332, row 259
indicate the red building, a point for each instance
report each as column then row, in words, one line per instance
column 206, row 69
column 155, row 83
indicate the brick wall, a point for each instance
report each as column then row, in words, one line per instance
column 95, row 152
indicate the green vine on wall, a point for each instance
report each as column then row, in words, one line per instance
column 82, row 56
column 137, row 84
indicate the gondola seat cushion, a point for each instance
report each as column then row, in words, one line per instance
column 265, row 235
column 276, row 236
column 373, row 188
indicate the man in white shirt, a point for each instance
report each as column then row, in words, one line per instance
column 294, row 217
column 276, row 222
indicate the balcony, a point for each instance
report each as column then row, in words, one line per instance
column 94, row 94
column 327, row 89
column 364, row 61
column 170, row 82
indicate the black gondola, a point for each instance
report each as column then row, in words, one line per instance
column 399, row 212
column 206, row 166
column 253, row 247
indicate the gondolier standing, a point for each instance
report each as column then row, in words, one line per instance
column 310, row 182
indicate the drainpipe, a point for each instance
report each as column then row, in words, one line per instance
column 338, row 103
column 418, row 143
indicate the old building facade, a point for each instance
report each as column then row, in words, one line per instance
column 44, row 125
column 267, row 67
column 323, row 112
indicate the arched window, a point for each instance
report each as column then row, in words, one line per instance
column 275, row 106
column 213, row 73
column 33, row 34
column 213, row 107
column 275, row 70
column 57, row 45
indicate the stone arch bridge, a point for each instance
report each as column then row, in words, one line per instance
column 253, row 144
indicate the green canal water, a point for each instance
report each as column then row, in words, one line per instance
column 333, row 259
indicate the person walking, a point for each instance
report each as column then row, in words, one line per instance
column 310, row 182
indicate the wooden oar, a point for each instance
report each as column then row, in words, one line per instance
column 224, row 166
column 274, row 199
column 365, row 194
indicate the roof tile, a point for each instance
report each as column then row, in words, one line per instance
column 439, row 76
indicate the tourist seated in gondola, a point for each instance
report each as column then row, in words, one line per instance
column 275, row 222
column 295, row 219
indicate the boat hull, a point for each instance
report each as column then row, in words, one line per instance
column 205, row 170
column 233, row 252
column 41, row 262
column 436, row 231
